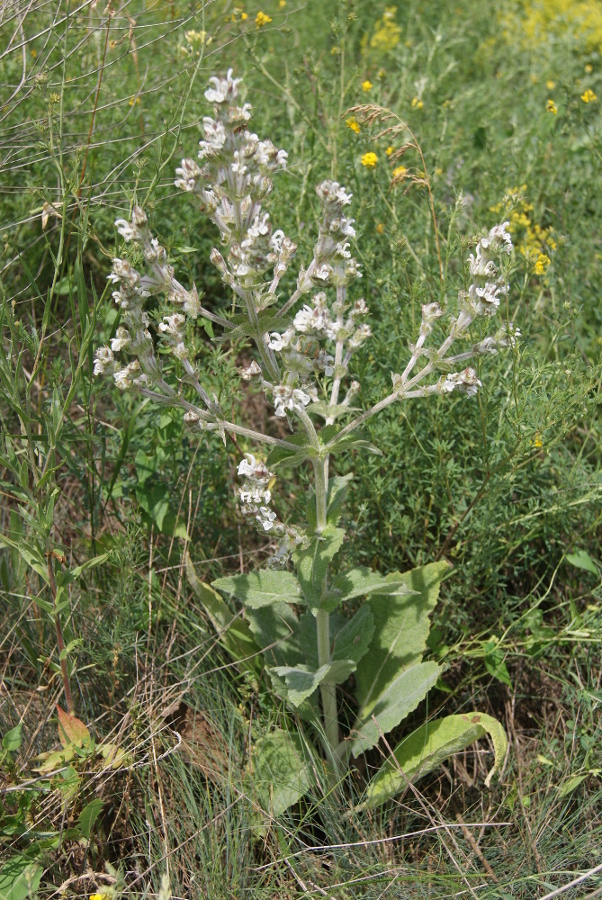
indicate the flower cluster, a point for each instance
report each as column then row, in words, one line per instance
column 231, row 182
column 255, row 497
column 482, row 300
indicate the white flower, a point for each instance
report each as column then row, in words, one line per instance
column 125, row 377
column 266, row 518
column 188, row 173
column 223, row 88
column 122, row 339
column 104, row 361
column 173, row 324
column 254, row 469
column 127, row 231
column 431, row 311
column 465, row 381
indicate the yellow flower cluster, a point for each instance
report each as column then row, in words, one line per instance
column 551, row 107
column 399, row 171
column 353, row 123
column 369, row 160
column 367, row 85
column 417, row 103
column 387, row 33
column 530, row 239
column 262, row 19
column 541, row 19
column 588, row 96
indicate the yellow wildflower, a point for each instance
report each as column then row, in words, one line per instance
column 588, row 68
column 550, row 84
column 97, row 897
column 243, row 16
column 134, row 100
column 389, row 151
column 380, row 228
column 588, row 96
column 262, row 19
column 353, row 123
column 417, row 103
column 399, row 171
column 551, row 107
column 367, row 85
column 387, row 33
column 281, row 4
column 195, row 37
column 541, row 264
column 369, row 160
column 538, row 440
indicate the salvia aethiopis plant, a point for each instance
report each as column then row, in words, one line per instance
column 304, row 345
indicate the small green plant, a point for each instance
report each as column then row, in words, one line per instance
column 295, row 606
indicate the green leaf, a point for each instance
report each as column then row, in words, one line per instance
column 353, row 639
column 12, row 739
column 234, row 632
column 494, row 663
column 90, row 564
column 19, row 878
column 427, row 747
column 300, row 450
column 361, row 582
column 337, row 494
column 326, row 411
column 29, row 553
column 276, row 630
column 88, row 817
column 397, row 701
column 154, row 500
column 400, row 632
column 72, row 731
column 312, row 564
column 570, row 785
column 261, row 588
column 280, row 771
column 583, row 560
column 301, row 681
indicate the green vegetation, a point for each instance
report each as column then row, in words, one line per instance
column 115, row 518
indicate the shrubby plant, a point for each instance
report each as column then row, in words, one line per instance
column 303, row 609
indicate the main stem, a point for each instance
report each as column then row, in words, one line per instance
column 327, row 691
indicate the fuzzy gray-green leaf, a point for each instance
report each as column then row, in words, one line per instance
column 261, row 588
column 427, row 747
column 400, row 632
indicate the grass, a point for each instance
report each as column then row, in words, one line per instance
column 102, row 104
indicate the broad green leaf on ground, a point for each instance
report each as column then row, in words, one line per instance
column 401, row 627
column 401, row 696
column 353, row 639
column 427, row 747
column 301, row 681
column 234, row 632
column 362, row 582
column 280, row 773
column 583, row 560
column 261, row 588
column 312, row 564
column 12, row 739
column 19, row 878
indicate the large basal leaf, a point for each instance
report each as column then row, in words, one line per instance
column 353, row 639
column 401, row 627
column 312, row 564
column 401, row 696
column 261, row 588
column 427, row 747
column 280, row 773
